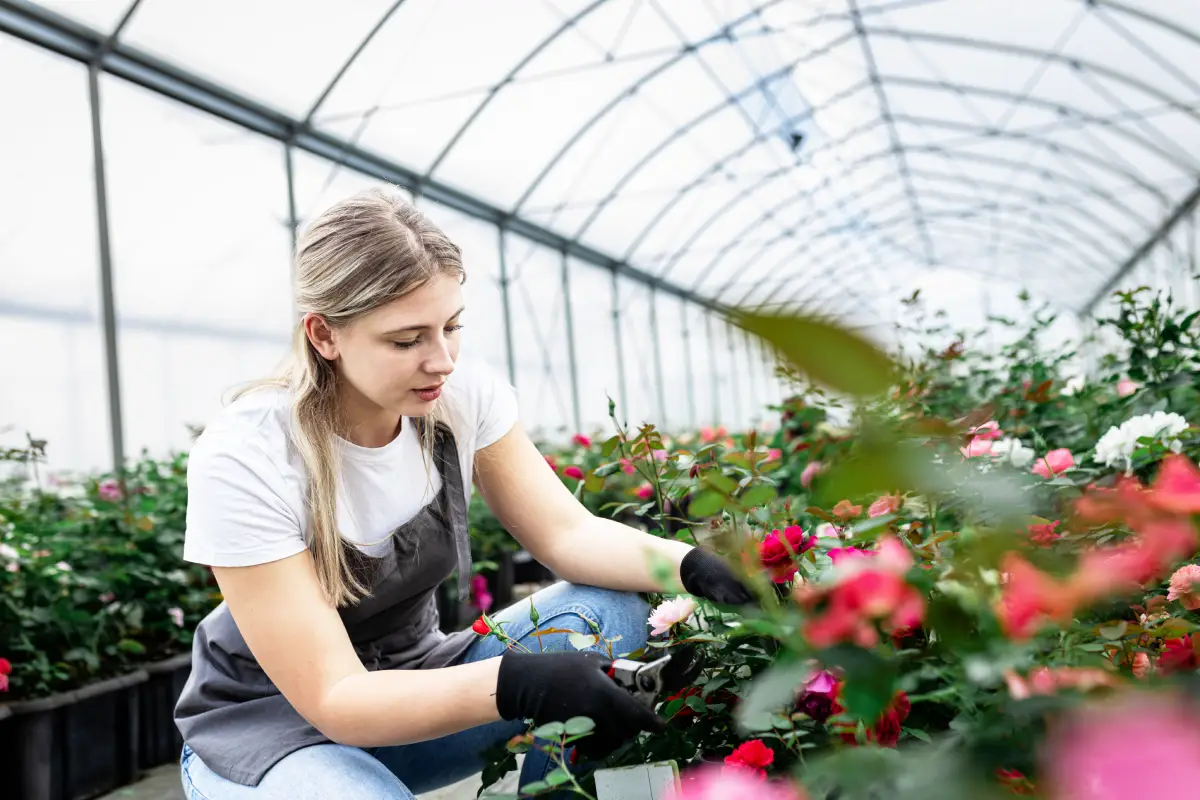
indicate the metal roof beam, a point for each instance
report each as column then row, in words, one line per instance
column 68, row 38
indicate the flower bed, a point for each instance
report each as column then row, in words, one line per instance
column 983, row 586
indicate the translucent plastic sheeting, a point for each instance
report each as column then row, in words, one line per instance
column 749, row 149
column 639, row 358
column 200, row 247
column 54, row 387
column 678, row 374
column 591, row 293
column 541, row 347
column 704, row 387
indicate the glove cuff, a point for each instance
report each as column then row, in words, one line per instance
column 698, row 569
column 509, row 686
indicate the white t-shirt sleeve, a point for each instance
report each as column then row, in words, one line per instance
column 237, row 514
column 496, row 406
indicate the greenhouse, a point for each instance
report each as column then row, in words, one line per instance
column 858, row 336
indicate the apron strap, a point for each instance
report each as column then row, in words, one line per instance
column 445, row 457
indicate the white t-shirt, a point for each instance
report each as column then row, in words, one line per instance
column 247, row 485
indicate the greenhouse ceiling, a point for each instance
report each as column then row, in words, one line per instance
column 743, row 154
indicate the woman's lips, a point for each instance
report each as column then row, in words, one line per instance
column 429, row 393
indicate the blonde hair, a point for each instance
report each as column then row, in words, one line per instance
column 360, row 254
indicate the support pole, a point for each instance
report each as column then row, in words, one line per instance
column 571, row 358
column 623, row 414
column 658, row 368
column 507, row 306
column 108, row 306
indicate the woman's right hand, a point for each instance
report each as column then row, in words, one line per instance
column 554, row 687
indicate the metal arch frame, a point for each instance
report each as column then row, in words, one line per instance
column 892, row 222
column 718, row 165
column 724, row 35
column 1072, row 112
column 848, row 172
column 1039, row 102
column 885, row 110
column 730, row 100
column 966, row 88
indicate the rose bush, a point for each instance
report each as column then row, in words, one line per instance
column 962, row 592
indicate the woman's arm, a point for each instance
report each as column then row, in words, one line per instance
column 302, row 645
column 541, row 513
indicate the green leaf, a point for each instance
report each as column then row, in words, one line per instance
column 919, row 734
column 1092, row 647
column 773, row 689
column 721, row 482
column 593, row 482
column 706, row 503
column 870, row 681
column 558, row 777
column 1113, row 631
column 696, row 704
column 534, row 788
column 578, row 726
column 825, row 352
column 130, row 646
column 581, row 641
column 610, row 446
column 604, row 470
column 551, row 730
column 758, row 495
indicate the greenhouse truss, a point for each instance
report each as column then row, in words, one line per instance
column 621, row 175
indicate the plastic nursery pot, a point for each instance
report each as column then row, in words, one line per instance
column 73, row 745
column 159, row 739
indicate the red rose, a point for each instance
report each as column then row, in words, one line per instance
column 573, row 472
column 752, row 755
column 1178, row 654
column 5, row 667
column 481, row 627
column 773, row 552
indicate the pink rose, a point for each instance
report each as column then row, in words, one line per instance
column 581, row 440
column 109, row 490
column 1137, row 745
column 811, row 470
column 573, row 472
column 1126, row 387
column 644, row 492
column 976, row 448
column 888, row 504
column 669, row 614
column 987, row 431
column 1185, row 587
column 724, row 783
column 1054, row 463
column 176, row 615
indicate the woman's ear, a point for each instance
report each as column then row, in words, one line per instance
column 321, row 336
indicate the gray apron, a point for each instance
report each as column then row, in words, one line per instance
column 230, row 713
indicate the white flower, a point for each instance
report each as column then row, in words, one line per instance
column 1014, row 452
column 63, row 566
column 176, row 615
column 1116, row 446
column 670, row 613
column 1073, row 385
column 9, row 552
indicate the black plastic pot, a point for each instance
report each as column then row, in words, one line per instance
column 527, row 569
column 500, row 582
column 74, row 745
column 160, row 740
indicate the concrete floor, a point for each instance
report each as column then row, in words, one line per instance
column 162, row 783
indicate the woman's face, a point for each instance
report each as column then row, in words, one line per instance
column 395, row 359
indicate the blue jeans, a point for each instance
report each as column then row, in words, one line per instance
column 401, row 772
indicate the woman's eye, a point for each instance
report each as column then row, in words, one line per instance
column 453, row 328
column 406, row 345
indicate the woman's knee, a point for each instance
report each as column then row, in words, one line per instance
column 323, row 770
column 589, row 609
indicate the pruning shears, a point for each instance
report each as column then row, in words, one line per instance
column 647, row 680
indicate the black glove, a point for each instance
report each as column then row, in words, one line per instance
column 706, row 575
column 554, row 687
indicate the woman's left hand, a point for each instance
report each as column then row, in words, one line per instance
column 706, row 575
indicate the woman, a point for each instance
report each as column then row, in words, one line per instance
column 331, row 502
